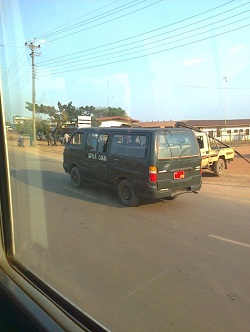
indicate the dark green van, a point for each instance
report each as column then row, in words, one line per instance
column 137, row 162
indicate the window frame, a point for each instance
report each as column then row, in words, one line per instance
column 42, row 305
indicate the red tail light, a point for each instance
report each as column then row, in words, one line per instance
column 153, row 174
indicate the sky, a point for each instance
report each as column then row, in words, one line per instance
column 156, row 59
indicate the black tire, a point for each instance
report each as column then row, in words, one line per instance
column 75, row 178
column 126, row 194
column 170, row 198
column 219, row 166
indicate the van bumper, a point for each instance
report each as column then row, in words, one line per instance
column 153, row 192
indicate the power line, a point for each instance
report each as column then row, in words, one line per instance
column 68, row 61
column 147, row 49
column 13, row 66
column 83, row 23
column 108, row 21
column 123, row 7
column 149, row 32
column 55, row 30
column 152, row 53
column 20, row 87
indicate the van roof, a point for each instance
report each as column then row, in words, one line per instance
column 132, row 129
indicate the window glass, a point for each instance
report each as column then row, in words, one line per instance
column 102, row 143
column 172, row 145
column 91, row 142
column 128, row 145
column 68, row 65
column 76, row 139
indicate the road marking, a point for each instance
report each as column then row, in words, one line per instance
column 80, row 193
column 230, row 241
column 147, row 283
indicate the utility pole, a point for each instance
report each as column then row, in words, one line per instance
column 33, row 48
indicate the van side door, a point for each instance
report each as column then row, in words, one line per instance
column 129, row 159
column 95, row 157
column 72, row 154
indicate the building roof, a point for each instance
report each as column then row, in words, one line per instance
column 220, row 123
column 116, row 118
column 156, row 124
column 198, row 123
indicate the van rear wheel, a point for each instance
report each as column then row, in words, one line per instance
column 75, row 178
column 126, row 194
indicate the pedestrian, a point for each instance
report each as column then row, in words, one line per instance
column 66, row 138
column 49, row 138
column 54, row 137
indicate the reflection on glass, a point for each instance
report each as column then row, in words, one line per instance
column 141, row 61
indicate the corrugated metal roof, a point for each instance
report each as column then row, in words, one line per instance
column 199, row 123
column 116, row 118
column 156, row 124
column 221, row 123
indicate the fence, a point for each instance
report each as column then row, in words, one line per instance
column 233, row 136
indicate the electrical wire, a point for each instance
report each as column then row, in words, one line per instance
column 70, row 62
column 54, row 31
column 50, row 61
column 96, row 25
column 149, row 54
column 144, row 46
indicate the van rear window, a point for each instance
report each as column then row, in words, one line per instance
column 176, row 145
column 128, row 145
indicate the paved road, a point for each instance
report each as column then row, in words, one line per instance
column 179, row 265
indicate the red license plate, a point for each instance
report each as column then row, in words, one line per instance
column 179, row 175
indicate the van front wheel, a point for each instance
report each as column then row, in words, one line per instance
column 126, row 194
column 75, row 178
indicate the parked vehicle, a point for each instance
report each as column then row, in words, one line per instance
column 137, row 162
column 215, row 154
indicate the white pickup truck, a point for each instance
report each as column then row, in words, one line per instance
column 215, row 156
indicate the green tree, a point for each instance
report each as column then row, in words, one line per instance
column 54, row 116
column 101, row 112
column 68, row 113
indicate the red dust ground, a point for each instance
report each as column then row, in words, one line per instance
column 233, row 184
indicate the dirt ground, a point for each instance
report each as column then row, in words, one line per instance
column 234, row 183
column 239, row 165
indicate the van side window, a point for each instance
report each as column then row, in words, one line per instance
column 128, row 145
column 91, row 143
column 102, row 143
column 76, row 139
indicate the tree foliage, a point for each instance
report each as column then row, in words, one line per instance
column 68, row 113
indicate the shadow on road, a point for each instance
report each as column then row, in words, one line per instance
column 58, row 183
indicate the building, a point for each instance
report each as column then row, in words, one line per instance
column 116, row 121
column 237, row 130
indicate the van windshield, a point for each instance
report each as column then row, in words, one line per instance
column 176, row 145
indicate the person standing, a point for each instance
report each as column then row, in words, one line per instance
column 66, row 138
column 49, row 138
column 54, row 136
